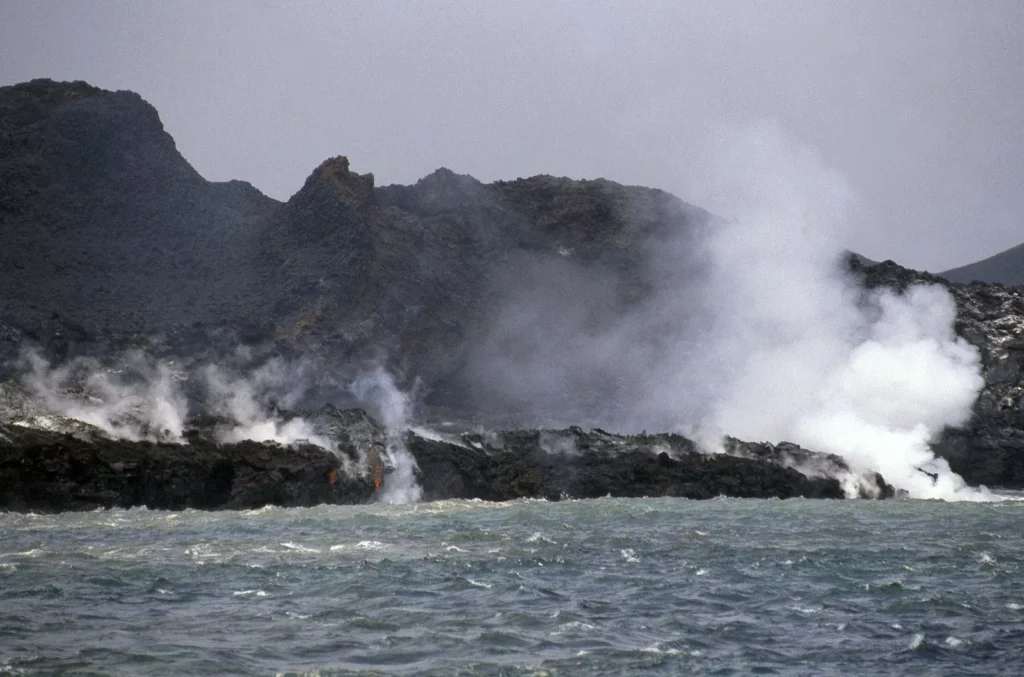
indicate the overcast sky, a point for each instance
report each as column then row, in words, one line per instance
column 920, row 104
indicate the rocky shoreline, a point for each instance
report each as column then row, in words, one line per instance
column 81, row 469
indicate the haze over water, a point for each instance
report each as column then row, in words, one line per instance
column 610, row 586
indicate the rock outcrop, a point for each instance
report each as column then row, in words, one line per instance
column 111, row 237
column 49, row 472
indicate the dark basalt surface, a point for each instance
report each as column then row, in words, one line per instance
column 574, row 463
column 43, row 470
column 46, row 471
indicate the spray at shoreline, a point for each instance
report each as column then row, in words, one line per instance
column 141, row 400
column 752, row 327
column 806, row 355
column 250, row 404
column 377, row 390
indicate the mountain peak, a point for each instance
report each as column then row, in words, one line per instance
column 334, row 177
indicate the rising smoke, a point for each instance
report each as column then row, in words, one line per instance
column 751, row 326
column 808, row 357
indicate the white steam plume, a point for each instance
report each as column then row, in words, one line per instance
column 754, row 328
column 377, row 390
column 140, row 400
column 803, row 357
column 250, row 403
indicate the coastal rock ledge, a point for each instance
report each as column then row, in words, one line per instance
column 78, row 468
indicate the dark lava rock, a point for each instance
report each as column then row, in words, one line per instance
column 45, row 470
column 48, row 471
column 572, row 463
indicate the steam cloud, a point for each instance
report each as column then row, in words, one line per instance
column 756, row 330
column 142, row 399
column 139, row 401
column 811, row 358
column 377, row 390
column 251, row 404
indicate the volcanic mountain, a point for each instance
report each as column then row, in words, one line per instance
column 107, row 229
column 109, row 239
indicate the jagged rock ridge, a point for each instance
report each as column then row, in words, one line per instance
column 111, row 232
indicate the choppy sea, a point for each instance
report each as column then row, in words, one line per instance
column 603, row 587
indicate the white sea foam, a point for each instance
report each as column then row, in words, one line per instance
column 34, row 552
column 573, row 626
column 295, row 547
column 371, row 545
column 538, row 537
column 655, row 649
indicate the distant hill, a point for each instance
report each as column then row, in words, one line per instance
column 1005, row 268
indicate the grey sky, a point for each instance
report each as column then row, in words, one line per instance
column 920, row 104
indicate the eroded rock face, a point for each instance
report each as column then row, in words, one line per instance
column 48, row 471
column 110, row 234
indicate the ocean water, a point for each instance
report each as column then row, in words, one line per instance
column 610, row 586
